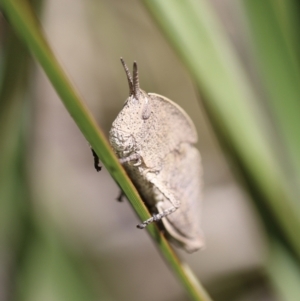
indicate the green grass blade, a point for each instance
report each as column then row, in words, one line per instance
column 194, row 31
column 24, row 22
column 278, row 62
column 12, row 191
column 284, row 272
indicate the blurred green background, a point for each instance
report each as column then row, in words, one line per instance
column 234, row 67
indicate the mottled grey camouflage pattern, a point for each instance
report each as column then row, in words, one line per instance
column 154, row 139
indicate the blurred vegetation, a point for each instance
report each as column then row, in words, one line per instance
column 27, row 243
column 254, row 111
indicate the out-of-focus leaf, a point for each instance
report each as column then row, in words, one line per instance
column 51, row 271
column 284, row 272
column 277, row 54
column 194, row 31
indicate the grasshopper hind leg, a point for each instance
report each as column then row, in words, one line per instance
column 157, row 217
column 166, row 197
